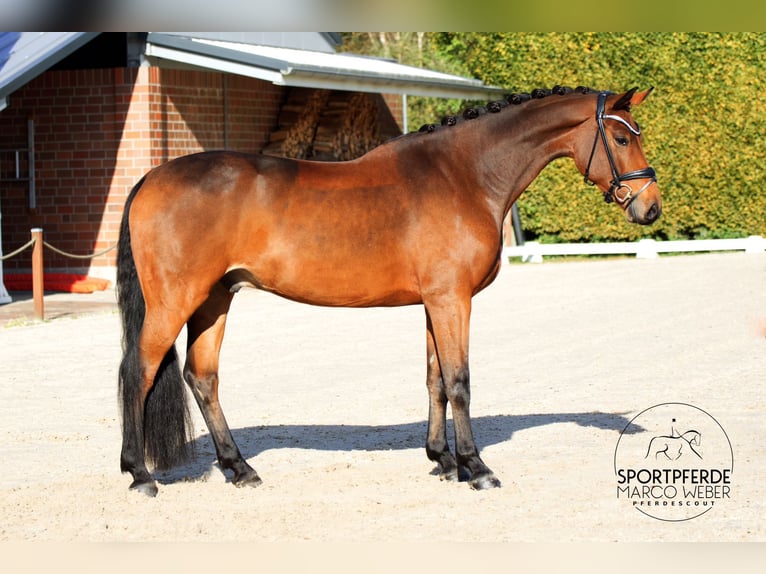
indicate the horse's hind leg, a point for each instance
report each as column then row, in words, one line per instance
column 153, row 424
column 205, row 335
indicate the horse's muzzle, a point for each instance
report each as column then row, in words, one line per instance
column 647, row 216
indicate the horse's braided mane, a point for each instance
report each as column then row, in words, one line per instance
column 509, row 100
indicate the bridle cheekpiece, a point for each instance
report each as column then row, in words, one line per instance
column 618, row 191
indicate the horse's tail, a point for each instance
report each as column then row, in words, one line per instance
column 164, row 418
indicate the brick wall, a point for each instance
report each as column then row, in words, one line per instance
column 252, row 111
column 394, row 103
column 98, row 131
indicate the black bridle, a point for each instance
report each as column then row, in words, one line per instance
column 616, row 187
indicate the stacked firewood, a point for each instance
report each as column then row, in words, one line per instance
column 298, row 120
column 360, row 131
column 323, row 125
column 331, row 121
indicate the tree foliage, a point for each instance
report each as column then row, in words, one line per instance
column 703, row 126
column 413, row 49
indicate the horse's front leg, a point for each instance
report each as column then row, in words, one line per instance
column 437, row 447
column 449, row 319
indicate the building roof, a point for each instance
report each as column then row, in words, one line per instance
column 26, row 55
column 307, row 68
column 316, row 41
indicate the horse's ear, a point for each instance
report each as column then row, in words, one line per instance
column 640, row 97
column 631, row 98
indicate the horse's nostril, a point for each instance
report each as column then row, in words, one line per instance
column 652, row 213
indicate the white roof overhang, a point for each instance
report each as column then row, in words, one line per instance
column 309, row 69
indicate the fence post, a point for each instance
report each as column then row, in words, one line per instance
column 755, row 244
column 533, row 252
column 647, row 249
column 38, row 284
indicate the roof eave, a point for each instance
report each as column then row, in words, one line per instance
column 159, row 55
column 296, row 77
column 29, row 72
column 175, row 50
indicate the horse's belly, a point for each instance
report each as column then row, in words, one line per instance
column 351, row 283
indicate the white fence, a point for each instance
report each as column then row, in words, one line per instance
column 533, row 252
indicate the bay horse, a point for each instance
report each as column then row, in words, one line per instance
column 417, row 220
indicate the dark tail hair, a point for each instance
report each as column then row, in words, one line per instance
column 164, row 417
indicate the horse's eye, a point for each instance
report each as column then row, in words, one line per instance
column 621, row 140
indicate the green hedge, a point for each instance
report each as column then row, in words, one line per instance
column 704, row 125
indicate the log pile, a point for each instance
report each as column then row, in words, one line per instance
column 297, row 123
column 360, row 131
column 324, row 125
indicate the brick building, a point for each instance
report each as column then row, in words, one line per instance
column 84, row 115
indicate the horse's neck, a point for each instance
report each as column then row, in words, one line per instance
column 519, row 143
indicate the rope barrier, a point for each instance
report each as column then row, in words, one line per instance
column 73, row 256
column 31, row 242
column 38, row 265
column 19, row 250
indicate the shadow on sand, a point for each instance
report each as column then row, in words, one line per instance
column 489, row 430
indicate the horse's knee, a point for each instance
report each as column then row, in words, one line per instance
column 458, row 389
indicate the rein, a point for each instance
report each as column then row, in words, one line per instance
column 615, row 193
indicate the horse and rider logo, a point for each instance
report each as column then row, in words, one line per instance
column 670, row 476
column 676, row 445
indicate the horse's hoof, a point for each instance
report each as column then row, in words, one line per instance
column 250, row 479
column 484, row 481
column 149, row 488
column 449, row 476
